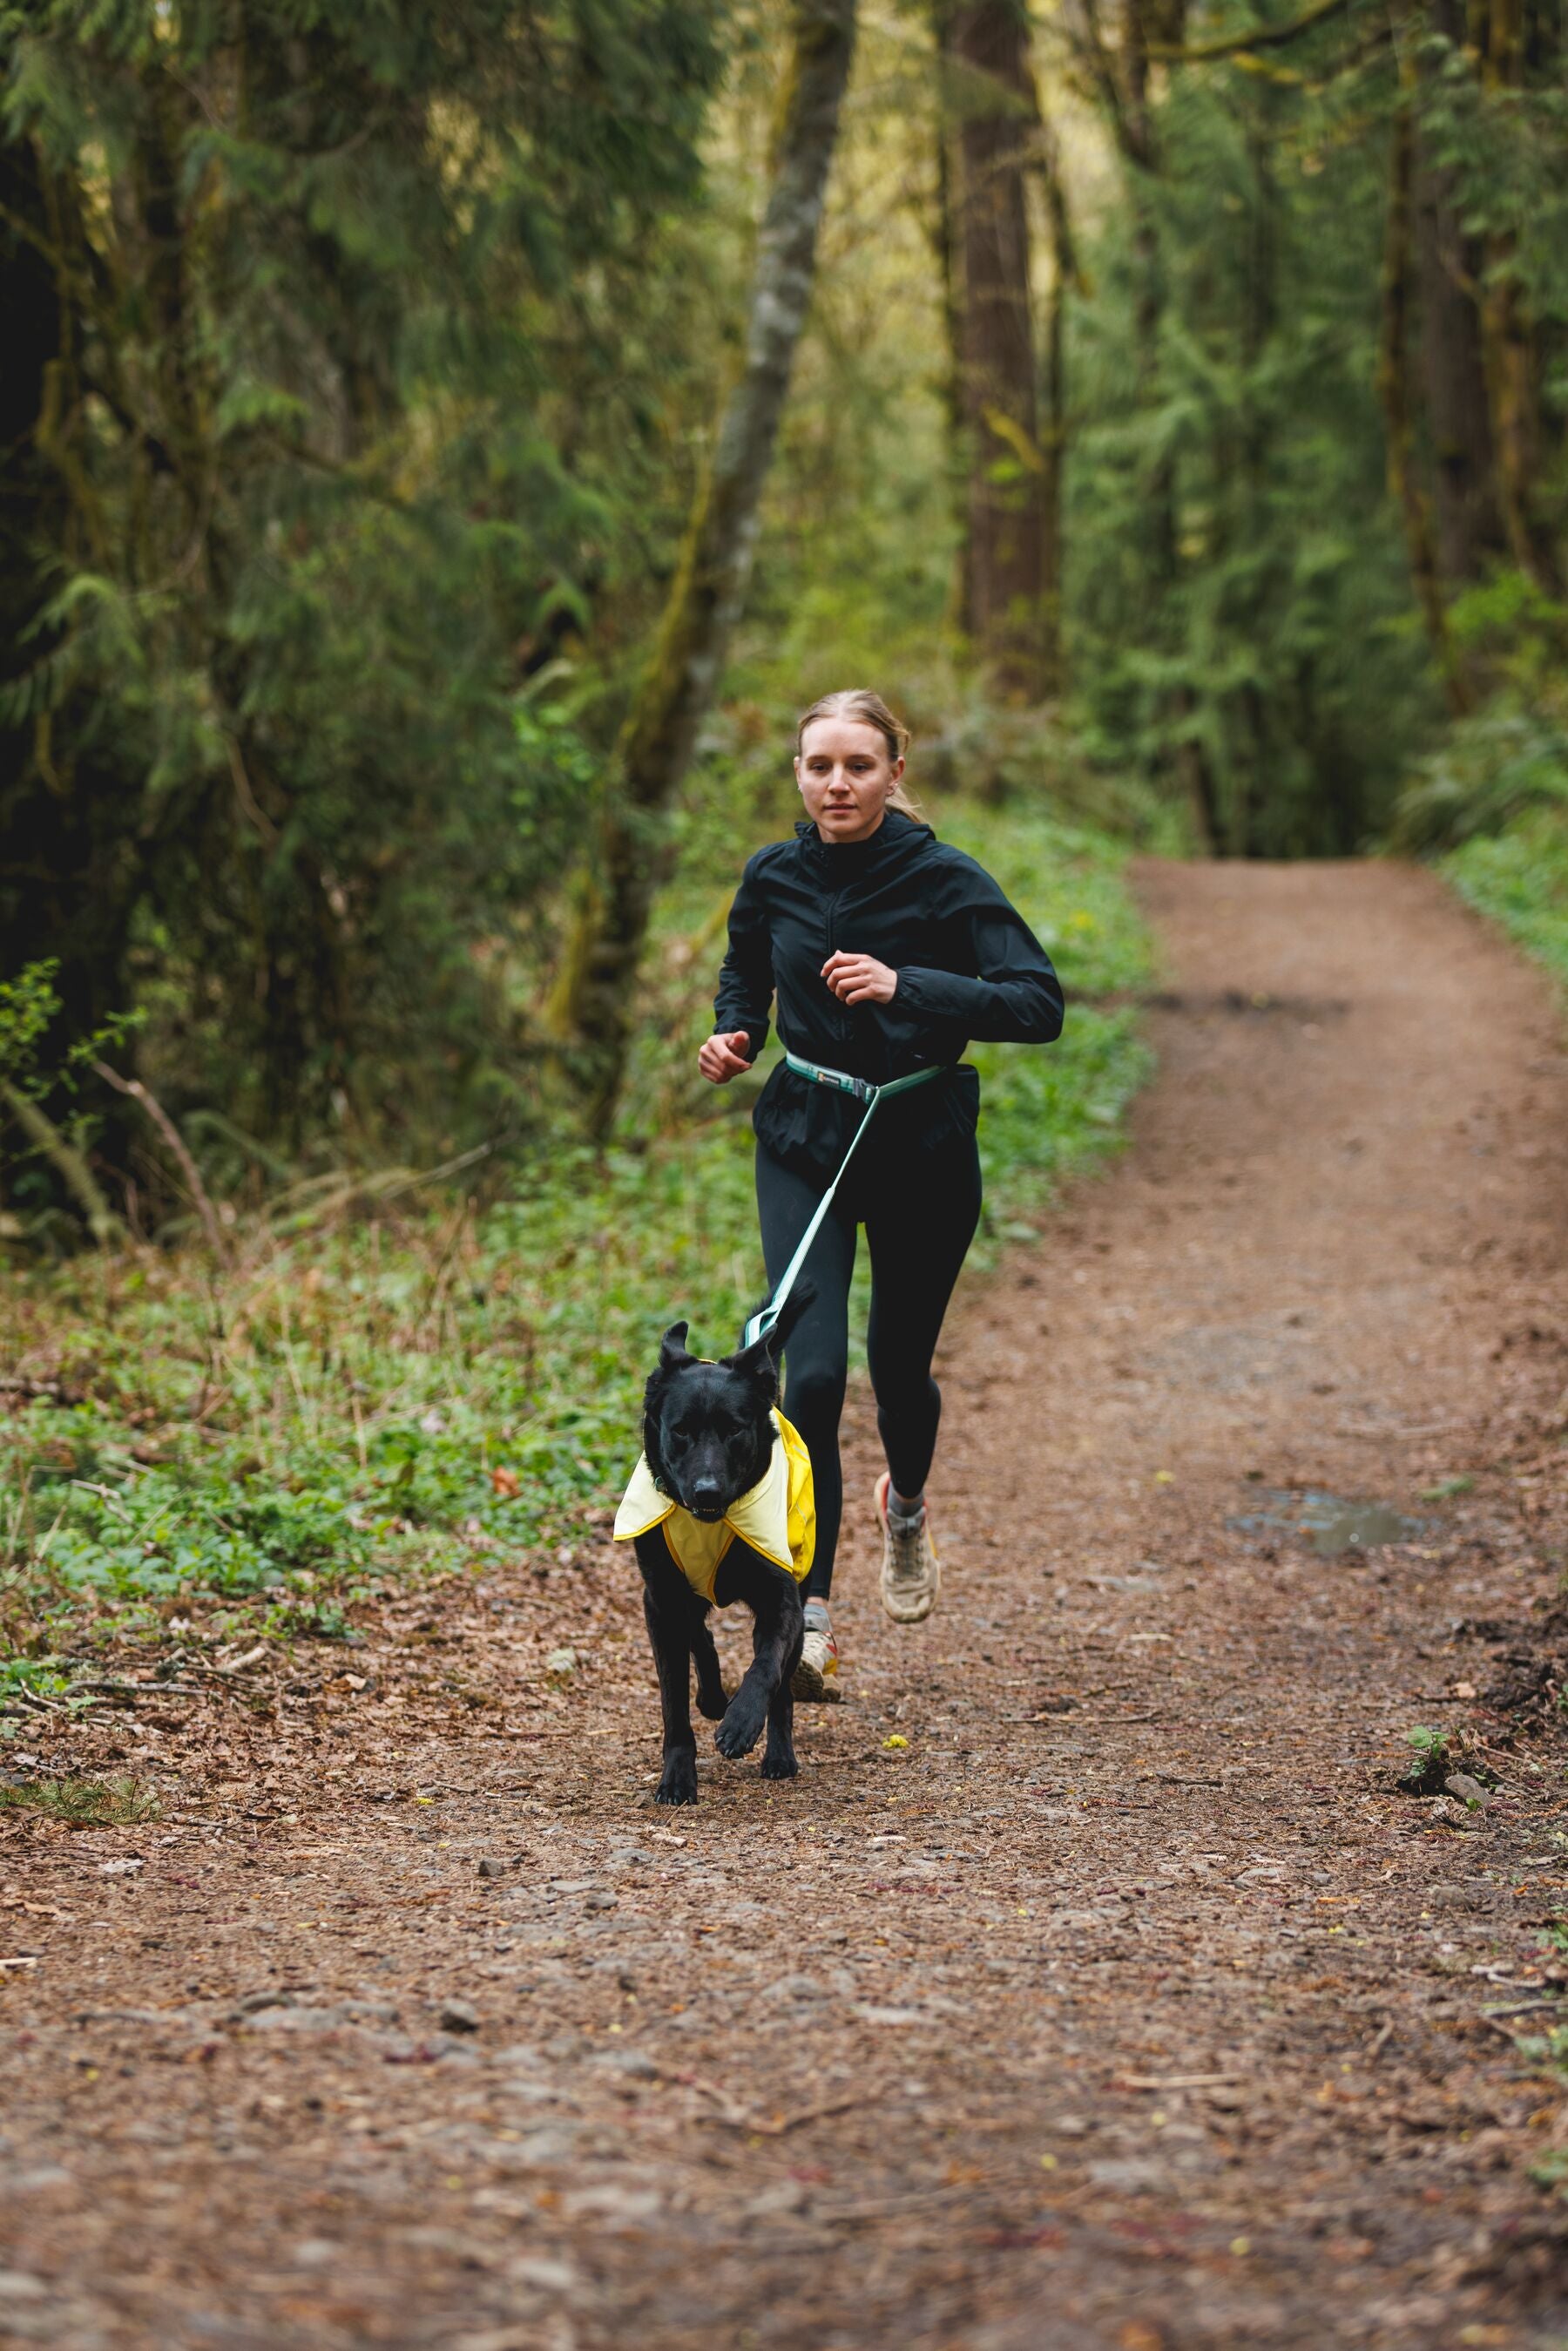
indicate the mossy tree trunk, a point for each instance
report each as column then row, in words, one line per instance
column 945, row 242
column 1450, row 266
column 1510, row 340
column 1394, row 391
column 1054, row 429
column 594, row 1008
column 1149, row 29
column 991, row 91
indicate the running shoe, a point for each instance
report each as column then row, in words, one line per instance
column 815, row 1675
column 912, row 1571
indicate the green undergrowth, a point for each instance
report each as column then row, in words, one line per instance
column 1490, row 804
column 83, row 1803
column 186, row 1455
column 1520, row 878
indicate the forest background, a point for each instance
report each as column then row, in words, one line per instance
column 444, row 449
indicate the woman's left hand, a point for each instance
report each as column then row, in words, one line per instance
column 859, row 978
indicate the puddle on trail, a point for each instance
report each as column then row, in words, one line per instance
column 1332, row 1525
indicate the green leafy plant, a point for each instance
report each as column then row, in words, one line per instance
column 1434, row 1762
column 84, row 1803
column 300, row 1620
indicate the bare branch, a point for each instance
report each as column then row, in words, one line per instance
column 176, row 1142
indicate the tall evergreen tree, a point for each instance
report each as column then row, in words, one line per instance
column 594, row 1008
column 307, row 497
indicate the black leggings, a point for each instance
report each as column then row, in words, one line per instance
column 919, row 1225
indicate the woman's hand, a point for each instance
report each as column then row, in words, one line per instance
column 859, row 979
column 724, row 1056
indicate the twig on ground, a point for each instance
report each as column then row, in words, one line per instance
column 736, row 2116
column 780, row 2124
column 141, row 1689
column 1175, row 2080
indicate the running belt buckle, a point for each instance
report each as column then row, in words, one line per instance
column 861, row 1088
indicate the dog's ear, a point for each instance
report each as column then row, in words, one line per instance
column 759, row 1362
column 672, row 1351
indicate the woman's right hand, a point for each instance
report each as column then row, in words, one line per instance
column 724, row 1056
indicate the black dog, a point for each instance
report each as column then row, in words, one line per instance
column 708, row 1440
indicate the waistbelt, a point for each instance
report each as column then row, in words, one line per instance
column 863, row 1090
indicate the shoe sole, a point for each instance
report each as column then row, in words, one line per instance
column 813, row 1688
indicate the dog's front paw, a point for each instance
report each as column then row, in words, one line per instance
column 678, row 1784
column 743, row 1725
column 779, row 1767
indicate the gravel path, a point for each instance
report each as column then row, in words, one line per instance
column 1094, row 1985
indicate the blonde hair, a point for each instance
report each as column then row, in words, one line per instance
column 863, row 707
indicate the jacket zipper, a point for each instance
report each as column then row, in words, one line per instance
column 840, row 1010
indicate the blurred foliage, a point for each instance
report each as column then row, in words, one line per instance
column 1519, row 877
column 363, row 348
column 1236, row 575
column 1486, row 771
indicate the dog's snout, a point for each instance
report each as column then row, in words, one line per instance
column 706, row 1490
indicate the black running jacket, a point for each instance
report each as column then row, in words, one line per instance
column 968, row 968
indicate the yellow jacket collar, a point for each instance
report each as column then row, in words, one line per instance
column 776, row 1517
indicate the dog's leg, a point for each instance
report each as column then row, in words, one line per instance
column 668, row 1622
column 773, row 1598
column 711, row 1700
column 778, row 1755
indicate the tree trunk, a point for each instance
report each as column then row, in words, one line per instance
column 944, row 238
column 1509, row 340
column 1133, row 121
column 69, row 851
column 987, row 42
column 1394, row 390
column 1054, row 435
column 1449, row 267
column 593, row 1008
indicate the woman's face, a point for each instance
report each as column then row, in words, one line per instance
column 846, row 776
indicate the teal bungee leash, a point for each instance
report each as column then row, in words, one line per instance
column 863, row 1090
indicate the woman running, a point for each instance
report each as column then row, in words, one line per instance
column 887, row 952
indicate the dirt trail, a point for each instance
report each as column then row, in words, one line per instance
column 1093, row 1986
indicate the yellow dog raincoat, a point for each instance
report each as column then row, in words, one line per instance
column 777, row 1516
